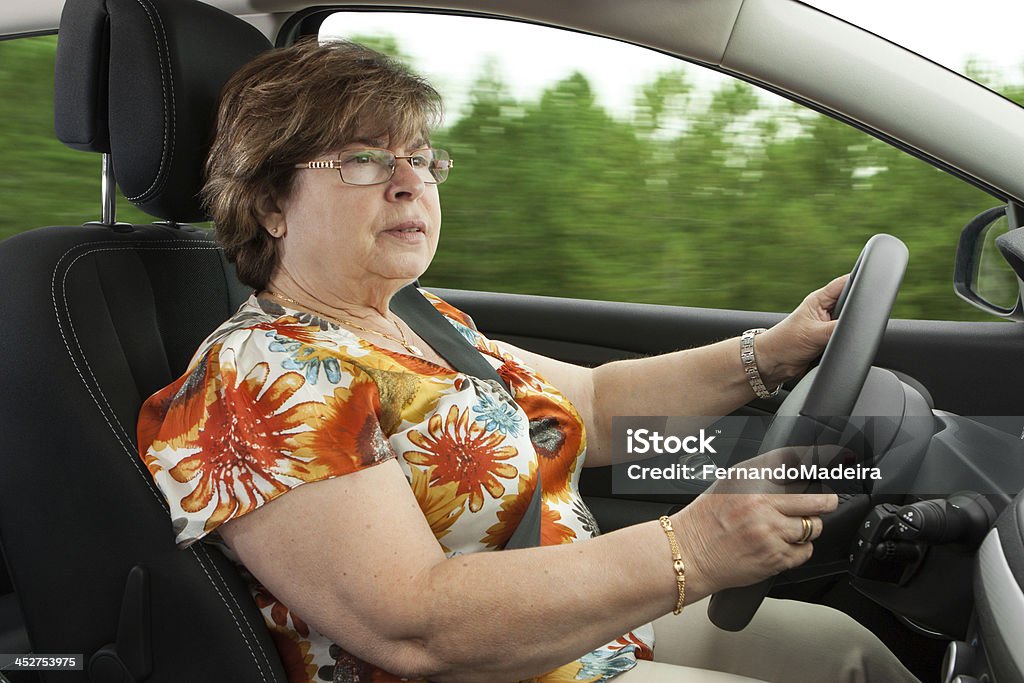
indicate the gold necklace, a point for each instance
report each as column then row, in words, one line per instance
column 404, row 341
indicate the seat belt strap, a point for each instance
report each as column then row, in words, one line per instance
column 435, row 329
column 527, row 534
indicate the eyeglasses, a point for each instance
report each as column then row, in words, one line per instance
column 372, row 166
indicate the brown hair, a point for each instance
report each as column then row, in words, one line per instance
column 293, row 105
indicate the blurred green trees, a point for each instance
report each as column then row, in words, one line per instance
column 712, row 199
column 42, row 182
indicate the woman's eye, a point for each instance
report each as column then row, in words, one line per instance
column 360, row 159
column 420, row 161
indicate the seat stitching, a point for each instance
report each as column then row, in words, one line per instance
column 133, row 452
column 230, row 595
column 118, row 431
column 75, row 334
column 168, row 137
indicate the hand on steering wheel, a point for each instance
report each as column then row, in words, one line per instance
column 745, row 528
column 831, row 389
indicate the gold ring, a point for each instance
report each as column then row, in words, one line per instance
column 808, row 527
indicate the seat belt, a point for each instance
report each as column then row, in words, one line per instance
column 435, row 329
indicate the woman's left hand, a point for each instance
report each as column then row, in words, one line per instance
column 784, row 351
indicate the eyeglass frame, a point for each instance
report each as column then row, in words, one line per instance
column 330, row 164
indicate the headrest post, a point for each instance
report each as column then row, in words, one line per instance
column 108, row 191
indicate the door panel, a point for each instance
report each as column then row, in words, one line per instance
column 969, row 368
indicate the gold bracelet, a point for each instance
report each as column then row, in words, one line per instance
column 677, row 563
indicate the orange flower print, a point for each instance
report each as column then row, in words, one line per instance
column 173, row 416
column 402, row 395
column 556, row 431
column 243, row 445
column 279, row 614
column 567, row 673
column 513, row 507
column 441, row 504
column 292, row 328
column 519, row 378
column 450, row 311
column 642, row 651
column 460, row 450
column 295, row 655
column 413, row 364
column 348, row 429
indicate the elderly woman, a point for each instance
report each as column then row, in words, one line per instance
column 362, row 484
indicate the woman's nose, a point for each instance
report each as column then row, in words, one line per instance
column 406, row 183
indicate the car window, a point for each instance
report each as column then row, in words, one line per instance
column 589, row 168
column 616, row 173
column 42, row 181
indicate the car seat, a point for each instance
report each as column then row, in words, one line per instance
column 98, row 317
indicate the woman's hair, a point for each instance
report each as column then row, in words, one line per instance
column 293, row 105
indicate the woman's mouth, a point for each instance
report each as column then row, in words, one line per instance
column 408, row 231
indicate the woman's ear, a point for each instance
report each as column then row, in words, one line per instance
column 271, row 217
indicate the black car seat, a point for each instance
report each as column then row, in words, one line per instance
column 96, row 318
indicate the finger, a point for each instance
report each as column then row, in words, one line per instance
column 821, row 302
column 788, row 456
column 830, row 292
column 829, row 329
column 800, row 554
column 804, row 529
column 810, row 504
column 818, row 528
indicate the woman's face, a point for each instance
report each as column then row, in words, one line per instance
column 358, row 240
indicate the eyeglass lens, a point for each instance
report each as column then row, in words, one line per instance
column 373, row 166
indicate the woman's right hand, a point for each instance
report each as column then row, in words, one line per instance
column 742, row 531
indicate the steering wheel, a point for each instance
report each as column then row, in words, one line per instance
column 832, row 388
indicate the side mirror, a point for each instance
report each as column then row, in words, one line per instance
column 981, row 275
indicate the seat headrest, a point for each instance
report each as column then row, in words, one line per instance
column 140, row 80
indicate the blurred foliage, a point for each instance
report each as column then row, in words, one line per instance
column 42, row 181
column 718, row 201
column 711, row 199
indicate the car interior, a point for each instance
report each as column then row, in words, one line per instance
column 119, row 308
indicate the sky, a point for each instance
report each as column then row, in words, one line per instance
column 614, row 68
column 450, row 51
column 945, row 31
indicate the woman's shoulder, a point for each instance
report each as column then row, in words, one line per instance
column 245, row 329
column 447, row 310
column 267, row 386
column 460, row 320
column 259, row 347
column 262, row 331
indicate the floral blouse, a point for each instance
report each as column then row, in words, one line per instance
column 276, row 398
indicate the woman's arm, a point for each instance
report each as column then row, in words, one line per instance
column 706, row 381
column 355, row 558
